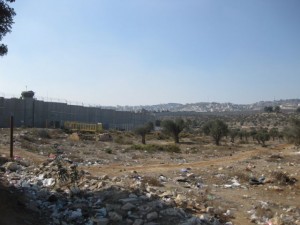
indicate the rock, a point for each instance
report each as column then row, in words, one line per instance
column 126, row 200
column 49, row 182
column 52, row 198
column 112, row 207
column 152, row 216
column 2, row 169
column 74, row 190
column 176, row 212
column 138, row 222
column 101, row 221
column 275, row 188
column 128, row 206
column 210, row 210
column 101, row 212
column 24, row 163
column 12, row 166
column 75, row 214
column 276, row 221
column 115, row 216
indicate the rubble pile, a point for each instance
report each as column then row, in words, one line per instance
column 56, row 188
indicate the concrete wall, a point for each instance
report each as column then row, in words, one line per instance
column 29, row 112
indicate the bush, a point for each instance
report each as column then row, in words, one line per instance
column 44, row 133
column 155, row 148
column 292, row 132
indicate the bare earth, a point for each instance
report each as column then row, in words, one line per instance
column 215, row 165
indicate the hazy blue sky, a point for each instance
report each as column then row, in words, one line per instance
column 138, row 52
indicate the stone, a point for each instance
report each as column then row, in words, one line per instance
column 12, row 166
column 276, row 221
column 24, row 163
column 74, row 190
column 101, row 221
column 48, row 182
column 210, row 210
column 115, row 216
column 152, row 216
column 176, row 212
column 138, row 222
column 75, row 214
column 52, row 198
column 128, row 206
column 101, row 212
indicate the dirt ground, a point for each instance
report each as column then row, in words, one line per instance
column 216, row 165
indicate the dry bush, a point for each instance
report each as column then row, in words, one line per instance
column 120, row 139
column 29, row 146
column 283, row 179
column 74, row 137
column 43, row 133
column 152, row 181
column 241, row 175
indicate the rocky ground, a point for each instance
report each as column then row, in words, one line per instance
column 58, row 178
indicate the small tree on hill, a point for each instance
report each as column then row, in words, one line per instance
column 262, row 136
column 216, row 129
column 298, row 110
column 292, row 132
column 268, row 109
column 173, row 128
column 274, row 133
column 143, row 130
column 233, row 133
column 277, row 109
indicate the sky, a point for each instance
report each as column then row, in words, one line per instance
column 145, row 52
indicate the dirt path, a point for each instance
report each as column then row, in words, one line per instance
column 117, row 169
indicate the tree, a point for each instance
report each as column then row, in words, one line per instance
column 253, row 134
column 143, row 130
column 277, row 109
column 274, row 133
column 292, row 132
column 268, row 109
column 262, row 136
column 157, row 123
column 173, row 128
column 6, row 20
column 298, row 110
column 233, row 133
column 216, row 129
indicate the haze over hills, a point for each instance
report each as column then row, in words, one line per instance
column 288, row 104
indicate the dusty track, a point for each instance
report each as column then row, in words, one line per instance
column 148, row 167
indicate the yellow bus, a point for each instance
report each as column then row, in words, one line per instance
column 83, row 127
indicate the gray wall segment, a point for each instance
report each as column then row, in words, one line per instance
column 30, row 112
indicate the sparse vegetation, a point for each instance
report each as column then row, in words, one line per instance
column 292, row 132
column 155, row 148
column 143, row 130
column 216, row 129
column 173, row 128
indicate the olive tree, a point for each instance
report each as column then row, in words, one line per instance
column 143, row 130
column 262, row 136
column 233, row 133
column 173, row 128
column 216, row 129
column 292, row 132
